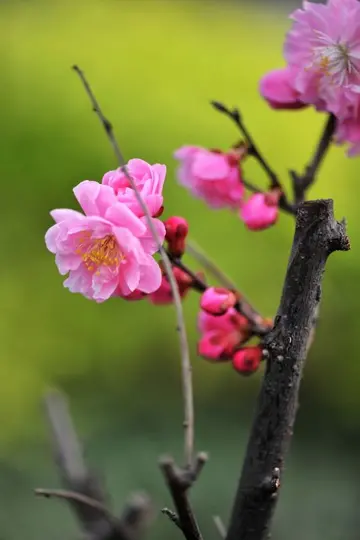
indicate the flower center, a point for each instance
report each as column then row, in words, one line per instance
column 333, row 60
column 97, row 252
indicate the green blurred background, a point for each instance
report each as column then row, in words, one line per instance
column 154, row 66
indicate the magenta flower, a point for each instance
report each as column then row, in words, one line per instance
column 221, row 334
column 260, row 211
column 322, row 51
column 149, row 179
column 349, row 132
column 211, row 175
column 106, row 251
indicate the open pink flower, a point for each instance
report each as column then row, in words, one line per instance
column 221, row 334
column 149, row 179
column 260, row 211
column 106, row 251
column 210, row 175
column 322, row 50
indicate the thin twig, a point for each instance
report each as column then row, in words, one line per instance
column 301, row 183
column 73, row 496
column 209, row 265
column 188, row 423
column 219, row 524
column 317, row 235
column 242, row 306
column 253, row 150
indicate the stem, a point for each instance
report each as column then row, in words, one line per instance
column 208, row 264
column 302, row 182
column 242, row 306
column 187, row 388
column 317, row 235
column 254, row 151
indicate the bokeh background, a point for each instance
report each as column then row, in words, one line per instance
column 154, row 66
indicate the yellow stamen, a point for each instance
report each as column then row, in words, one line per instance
column 96, row 252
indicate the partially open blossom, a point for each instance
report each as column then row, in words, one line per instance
column 211, row 175
column 177, row 229
column 247, row 360
column 277, row 88
column 163, row 295
column 261, row 210
column 217, row 300
column 106, row 251
column 149, row 179
column 221, row 334
column 322, row 51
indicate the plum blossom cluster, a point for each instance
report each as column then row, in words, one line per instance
column 216, row 177
column 224, row 331
column 109, row 250
column 322, row 54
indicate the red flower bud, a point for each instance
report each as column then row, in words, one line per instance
column 247, row 360
column 164, row 294
column 217, row 300
column 177, row 229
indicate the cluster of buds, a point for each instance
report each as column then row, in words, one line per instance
column 224, row 331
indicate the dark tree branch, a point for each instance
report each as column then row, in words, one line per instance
column 179, row 482
column 301, row 183
column 317, row 235
column 83, row 491
column 253, row 150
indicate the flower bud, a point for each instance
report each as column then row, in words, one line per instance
column 177, row 229
column 135, row 295
column 247, row 359
column 261, row 210
column 164, row 294
column 217, row 300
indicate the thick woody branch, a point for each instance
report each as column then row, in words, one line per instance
column 82, row 490
column 317, row 235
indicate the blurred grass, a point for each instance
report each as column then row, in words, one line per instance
column 154, row 66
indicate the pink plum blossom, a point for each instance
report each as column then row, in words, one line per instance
column 217, row 300
column 222, row 334
column 107, row 250
column 211, row 175
column 149, row 179
column 260, row 211
column 349, row 132
column 322, row 51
